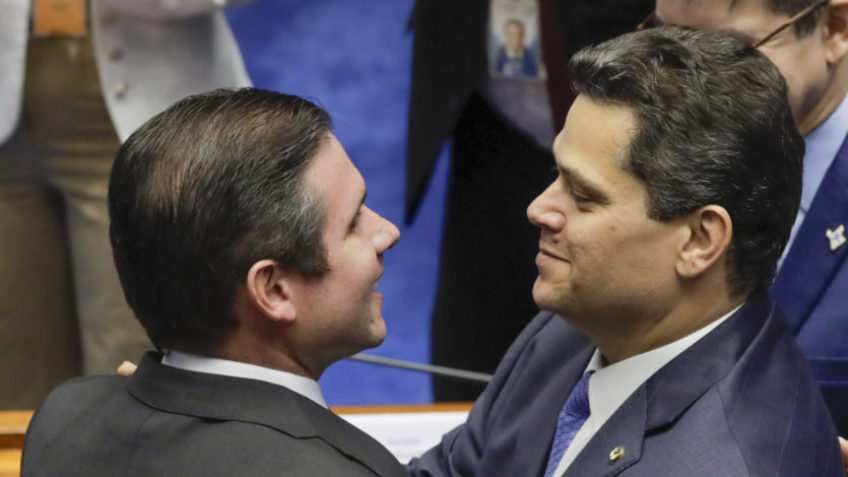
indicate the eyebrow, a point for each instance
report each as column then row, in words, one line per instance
column 583, row 183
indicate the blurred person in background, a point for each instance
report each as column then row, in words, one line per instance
column 76, row 78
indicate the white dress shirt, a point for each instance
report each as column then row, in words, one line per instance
column 611, row 385
column 302, row 385
column 822, row 145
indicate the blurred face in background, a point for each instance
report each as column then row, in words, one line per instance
column 808, row 63
column 514, row 37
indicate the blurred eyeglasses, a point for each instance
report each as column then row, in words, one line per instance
column 651, row 21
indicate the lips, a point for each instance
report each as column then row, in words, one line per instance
column 546, row 252
column 377, row 282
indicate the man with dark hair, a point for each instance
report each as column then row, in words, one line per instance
column 497, row 134
column 808, row 41
column 245, row 249
column 679, row 176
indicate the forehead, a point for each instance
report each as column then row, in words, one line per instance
column 336, row 181
column 595, row 141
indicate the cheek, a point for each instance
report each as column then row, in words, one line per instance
column 360, row 270
column 620, row 248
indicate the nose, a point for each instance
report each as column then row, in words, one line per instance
column 543, row 212
column 386, row 234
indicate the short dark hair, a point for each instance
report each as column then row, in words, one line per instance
column 201, row 192
column 714, row 127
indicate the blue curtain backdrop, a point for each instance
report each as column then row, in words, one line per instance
column 353, row 57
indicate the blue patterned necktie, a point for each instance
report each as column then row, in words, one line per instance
column 573, row 414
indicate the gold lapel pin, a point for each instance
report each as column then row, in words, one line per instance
column 836, row 237
column 615, row 454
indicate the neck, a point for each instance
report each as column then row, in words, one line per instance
column 696, row 306
column 835, row 91
column 248, row 348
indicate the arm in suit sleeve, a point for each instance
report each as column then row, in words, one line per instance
column 460, row 450
column 168, row 9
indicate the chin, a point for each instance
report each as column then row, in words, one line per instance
column 542, row 294
column 378, row 332
column 548, row 298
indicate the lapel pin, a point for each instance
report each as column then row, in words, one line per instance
column 836, row 237
column 615, row 454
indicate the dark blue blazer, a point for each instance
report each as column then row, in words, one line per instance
column 739, row 402
column 812, row 289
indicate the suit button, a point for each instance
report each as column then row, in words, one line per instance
column 120, row 90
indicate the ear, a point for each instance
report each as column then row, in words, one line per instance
column 269, row 289
column 710, row 231
column 836, row 31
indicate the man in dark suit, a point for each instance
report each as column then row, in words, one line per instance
column 245, row 249
column 679, row 177
column 810, row 48
column 496, row 169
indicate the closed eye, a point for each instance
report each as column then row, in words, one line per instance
column 355, row 222
column 579, row 197
column 356, row 218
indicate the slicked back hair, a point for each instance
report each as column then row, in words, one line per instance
column 714, row 127
column 201, row 192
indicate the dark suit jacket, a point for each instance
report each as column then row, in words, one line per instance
column 812, row 289
column 166, row 421
column 739, row 402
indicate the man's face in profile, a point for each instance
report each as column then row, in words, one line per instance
column 601, row 259
column 800, row 60
column 343, row 309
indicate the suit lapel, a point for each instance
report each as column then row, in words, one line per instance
column 537, row 429
column 234, row 399
column 627, row 433
column 811, row 264
column 670, row 391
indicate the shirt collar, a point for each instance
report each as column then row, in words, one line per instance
column 822, row 145
column 611, row 385
column 302, row 385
